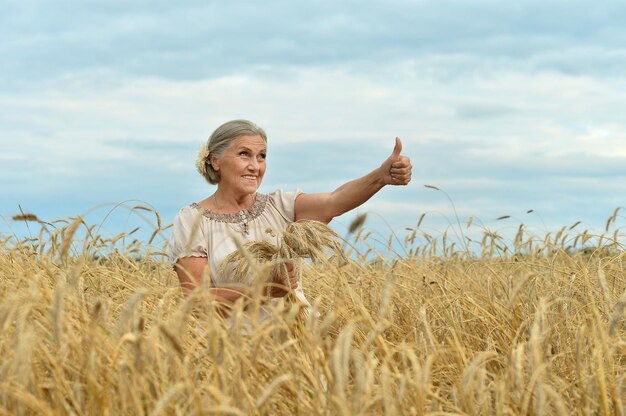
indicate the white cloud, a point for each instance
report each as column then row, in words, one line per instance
column 195, row 40
column 503, row 106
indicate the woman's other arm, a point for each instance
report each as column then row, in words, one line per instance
column 395, row 170
column 190, row 271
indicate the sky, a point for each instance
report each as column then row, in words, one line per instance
column 505, row 106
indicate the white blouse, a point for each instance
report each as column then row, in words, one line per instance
column 199, row 232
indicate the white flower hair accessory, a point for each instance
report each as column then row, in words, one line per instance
column 203, row 160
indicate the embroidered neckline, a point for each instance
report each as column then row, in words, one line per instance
column 236, row 217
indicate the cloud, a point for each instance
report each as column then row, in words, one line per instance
column 506, row 107
column 326, row 126
column 483, row 110
column 199, row 40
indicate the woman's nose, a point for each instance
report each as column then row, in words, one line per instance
column 253, row 165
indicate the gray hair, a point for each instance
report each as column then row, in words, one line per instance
column 219, row 141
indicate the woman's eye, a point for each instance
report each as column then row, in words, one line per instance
column 262, row 156
column 243, row 153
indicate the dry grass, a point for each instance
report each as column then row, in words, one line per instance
column 523, row 327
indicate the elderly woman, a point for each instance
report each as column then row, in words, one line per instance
column 234, row 159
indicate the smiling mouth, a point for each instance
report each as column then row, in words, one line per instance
column 247, row 177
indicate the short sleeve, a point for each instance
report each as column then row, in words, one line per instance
column 188, row 237
column 285, row 203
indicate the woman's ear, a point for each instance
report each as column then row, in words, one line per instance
column 214, row 162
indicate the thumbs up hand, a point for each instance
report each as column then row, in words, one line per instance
column 396, row 169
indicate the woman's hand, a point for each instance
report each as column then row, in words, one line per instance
column 283, row 281
column 396, row 169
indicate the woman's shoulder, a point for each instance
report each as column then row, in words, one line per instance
column 188, row 237
column 284, row 202
column 194, row 215
column 188, row 211
column 282, row 194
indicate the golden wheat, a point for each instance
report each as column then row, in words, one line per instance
column 531, row 326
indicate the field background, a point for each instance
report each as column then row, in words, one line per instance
column 521, row 325
column 510, row 107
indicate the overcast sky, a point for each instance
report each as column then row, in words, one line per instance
column 507, row 106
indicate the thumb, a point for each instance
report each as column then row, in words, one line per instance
column 397, row 149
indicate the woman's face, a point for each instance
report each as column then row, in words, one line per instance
column 242, row 165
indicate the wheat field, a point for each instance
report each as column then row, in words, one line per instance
column 531, row 326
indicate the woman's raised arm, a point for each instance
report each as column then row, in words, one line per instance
column 395, row 170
